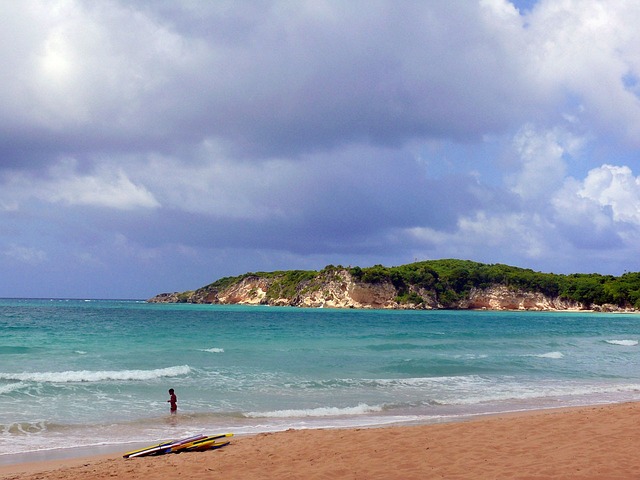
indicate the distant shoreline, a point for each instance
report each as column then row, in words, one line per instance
column 302, row 307
column 447, row 284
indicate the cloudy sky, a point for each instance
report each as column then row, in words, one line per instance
column 153, row 146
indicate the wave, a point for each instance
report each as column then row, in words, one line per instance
column 11, row 387
column 555, row 355
column 212, row 350
column 470, row 356
column 374, row 383
column 96, row 376
column 360, row 409
column 25, row 428
column 624, row 343
column 395, row 346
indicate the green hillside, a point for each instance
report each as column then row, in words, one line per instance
column 451, row 280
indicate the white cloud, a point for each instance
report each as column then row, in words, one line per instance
column 9, row 205
column 542, row 155
column 218, row 185
column 74, row 65
column 103, row 188
column 28, row 255
column 583, row 50
column 503, row 10
column 523, row 232
column 107, row 189
column 604, row 201
column 615, row 187
column 578, row 211
column 495, row 235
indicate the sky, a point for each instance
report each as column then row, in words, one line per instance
column 155, row 146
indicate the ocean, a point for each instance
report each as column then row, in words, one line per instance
column 79, row 373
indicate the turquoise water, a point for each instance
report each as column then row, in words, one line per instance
column 76, row 373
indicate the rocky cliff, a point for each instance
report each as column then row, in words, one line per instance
column 338, row 288
column 500, row 297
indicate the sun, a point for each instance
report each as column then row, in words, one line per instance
column 56, row 62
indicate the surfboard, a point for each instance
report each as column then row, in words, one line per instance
column 164, row 447
column 198, row 442
column 176, row 446
column 128, row 454
column 208, row 445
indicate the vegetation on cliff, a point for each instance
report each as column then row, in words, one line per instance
column 448, row 282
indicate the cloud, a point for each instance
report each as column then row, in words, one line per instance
column 63, row 184
column 23, row 254
column 615, row 187
column 542, row 155
column 83, row 78
column 138, row 138
column 584, row 51
column 277, row 79
column 322, row 203
column 601, row 211
column 106, row 189
column 268, row 80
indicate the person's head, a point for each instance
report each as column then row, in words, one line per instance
column 171, row 391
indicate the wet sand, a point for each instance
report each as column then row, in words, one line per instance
column 598, row 442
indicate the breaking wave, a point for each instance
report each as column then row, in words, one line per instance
column 360, row 409
column 96, row 376
column 624, row 343
column 550, row 355
column 11, row 387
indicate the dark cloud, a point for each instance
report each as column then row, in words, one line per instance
column 161, row 142
column 355, row 202
column 307, row 79
column 272, row 79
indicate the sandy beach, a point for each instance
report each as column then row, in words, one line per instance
column 597, row 442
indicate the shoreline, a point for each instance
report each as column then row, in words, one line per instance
column 71, row 453
column 601, row 309
column 598, row 441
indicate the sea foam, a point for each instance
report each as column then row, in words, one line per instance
column 11, row 387
column 96, row 376
column 624, row 343
column 24, row 428
column 555, row 355
column 360, row 409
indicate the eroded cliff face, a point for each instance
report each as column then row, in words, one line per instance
column 335, row 290
column 249, row 291
column 501, row 297
column 339, row 289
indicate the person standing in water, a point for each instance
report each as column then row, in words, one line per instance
column 173, row 401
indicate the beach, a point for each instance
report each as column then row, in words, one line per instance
column 594, row 442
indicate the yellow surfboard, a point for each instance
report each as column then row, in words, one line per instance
column 164, row 447
column 198, row 442
column 209, row 445
column 128, row 454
